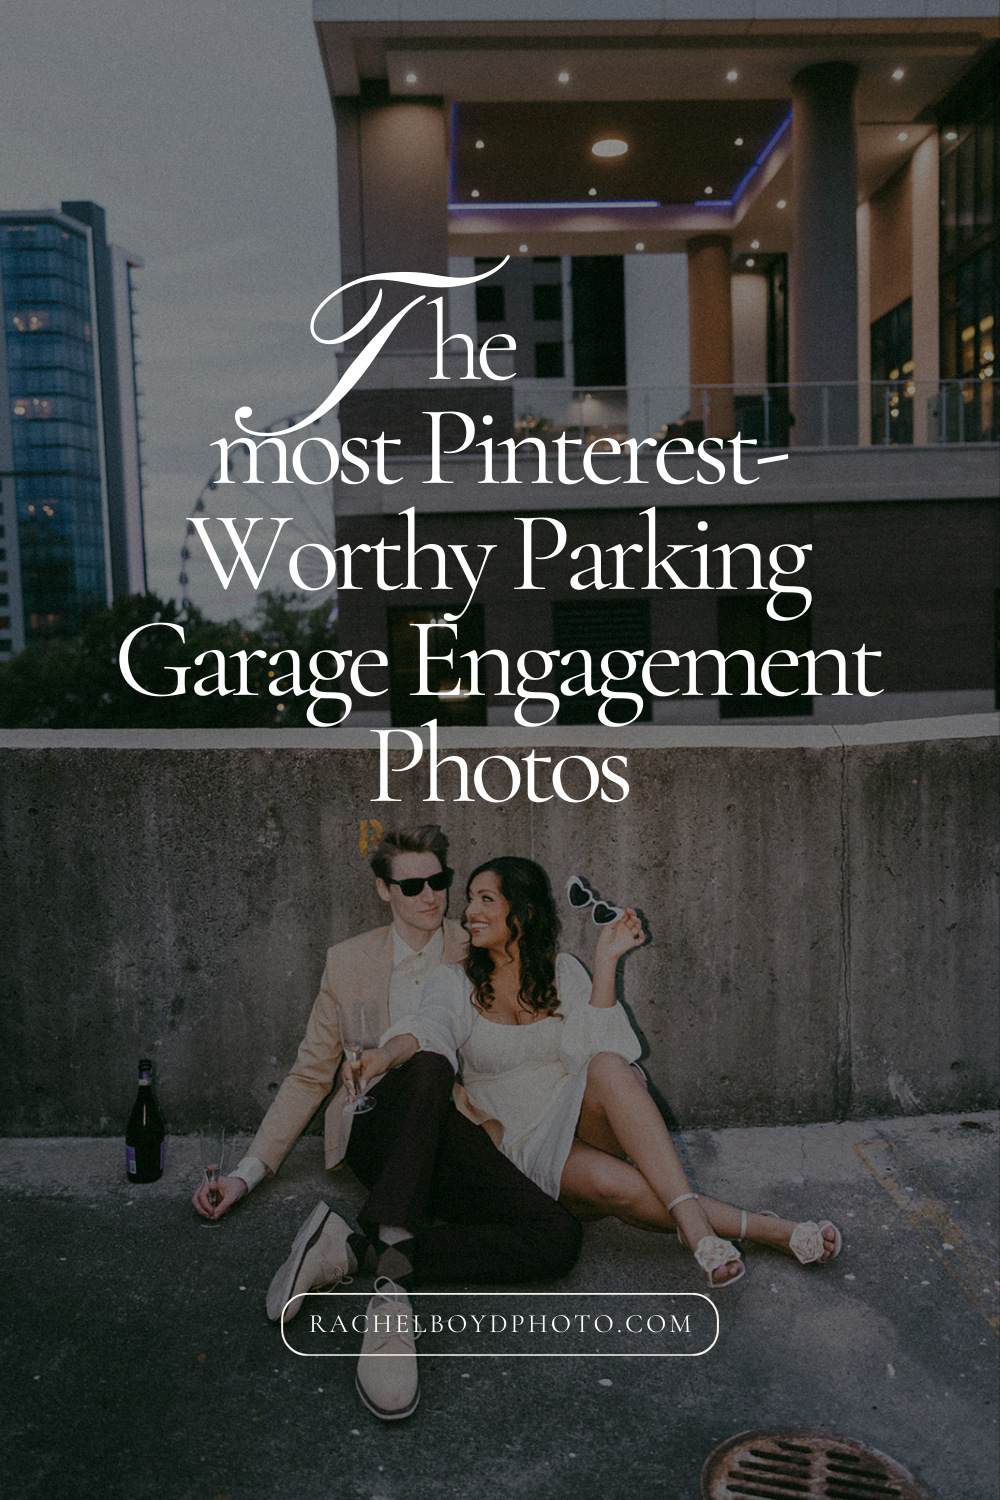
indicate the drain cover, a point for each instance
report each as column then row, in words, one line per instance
column 803, row 1463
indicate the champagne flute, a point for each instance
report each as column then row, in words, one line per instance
column 353, row 1035
column 212, row 1140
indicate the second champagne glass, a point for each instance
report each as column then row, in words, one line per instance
column 353, row 1034
column 212, row 1140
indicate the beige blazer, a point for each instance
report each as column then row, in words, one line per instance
column 359, row 970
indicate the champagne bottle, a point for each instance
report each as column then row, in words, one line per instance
column 145, row 1132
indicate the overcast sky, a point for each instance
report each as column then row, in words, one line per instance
column 204, row 128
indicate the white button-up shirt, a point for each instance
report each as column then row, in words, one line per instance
column 410, row 972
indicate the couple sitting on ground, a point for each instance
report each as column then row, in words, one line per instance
column 482, row 1180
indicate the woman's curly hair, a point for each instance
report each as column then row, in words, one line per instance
column 534, row 928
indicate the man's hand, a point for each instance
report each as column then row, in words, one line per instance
column 232, row 1190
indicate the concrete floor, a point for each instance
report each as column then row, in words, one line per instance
column 138, row 1361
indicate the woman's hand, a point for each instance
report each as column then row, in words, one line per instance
column 378, row 1060
column 619, row 938
column 374, row 1062
column 231, row 1189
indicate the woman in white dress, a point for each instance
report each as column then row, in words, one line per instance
column 545, row 1054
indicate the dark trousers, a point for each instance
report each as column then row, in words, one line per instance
column 421, row 1159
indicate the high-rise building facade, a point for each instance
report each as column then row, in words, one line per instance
column 773, row 222
column 71, row 533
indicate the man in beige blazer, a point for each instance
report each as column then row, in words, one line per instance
column 421, row 1151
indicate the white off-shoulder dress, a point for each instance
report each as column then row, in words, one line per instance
column 530, row 1078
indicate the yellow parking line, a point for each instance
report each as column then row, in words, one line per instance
column 965, row 1263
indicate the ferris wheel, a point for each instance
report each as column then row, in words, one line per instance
column 309, row 527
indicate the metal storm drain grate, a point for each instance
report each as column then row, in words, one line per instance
column 805, row 1463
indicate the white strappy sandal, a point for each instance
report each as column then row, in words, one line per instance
column 711, row 1253
column 807, row 1243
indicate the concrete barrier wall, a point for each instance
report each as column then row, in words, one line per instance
column 822, row 908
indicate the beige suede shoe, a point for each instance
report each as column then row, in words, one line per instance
column 321, row 1254
column 387, row 1370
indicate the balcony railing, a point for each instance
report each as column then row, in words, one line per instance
column 819, row 415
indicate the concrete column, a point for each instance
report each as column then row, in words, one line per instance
column 926, row 288
column 656, row 341
column 824, row 279
column 392, row 167
column 864, row 228
column 710, row 331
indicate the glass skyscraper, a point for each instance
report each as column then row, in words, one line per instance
column 71, row 490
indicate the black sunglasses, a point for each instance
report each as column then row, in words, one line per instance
column 415, row 884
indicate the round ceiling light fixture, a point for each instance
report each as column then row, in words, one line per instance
column 592, row 192
column 640, row 245
column 480, row 145
column 609, row 147
column 898, row 73
column 738, row 141
column 902, row 136
column 782, row 203
column 411, row 77
column 564, row 76
column 755, row 244
column 732, row 76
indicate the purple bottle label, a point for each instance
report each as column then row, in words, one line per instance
column 130, row 1159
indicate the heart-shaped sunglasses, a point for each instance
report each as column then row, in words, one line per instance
column 580, row 896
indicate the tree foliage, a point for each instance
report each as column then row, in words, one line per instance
column 77, row 684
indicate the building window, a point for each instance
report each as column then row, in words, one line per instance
column 970, row 265
column 547, row 299
column 745, row 625
column 550, row 363
column 599, row 320
column 404, row 667
column 969, row 306
column 600, row 626
column 490, row 304
column 892, row 376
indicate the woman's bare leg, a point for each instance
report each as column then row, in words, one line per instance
column 593, row 1185
column 617, row 1111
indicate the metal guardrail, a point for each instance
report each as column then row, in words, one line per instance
column 828, row 414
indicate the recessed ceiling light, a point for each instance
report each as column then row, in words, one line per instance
column 750, row 260
column 609, row 147
column 564, row 76
column 475, row 192
column 641, row 245
column 592, row 192
column 951, row 135
column 755, row 244
column 782, row 203
column 708, row 191
column 902, row 136
column 732, row 76
column 898, row 73
column 738, row 141
column 480, row 145
column 411, row 77
column 523, row 249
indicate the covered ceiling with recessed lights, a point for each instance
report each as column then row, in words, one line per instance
column 569, row 160
column 539, row 91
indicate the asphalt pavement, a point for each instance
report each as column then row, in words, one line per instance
column 138, row 1362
